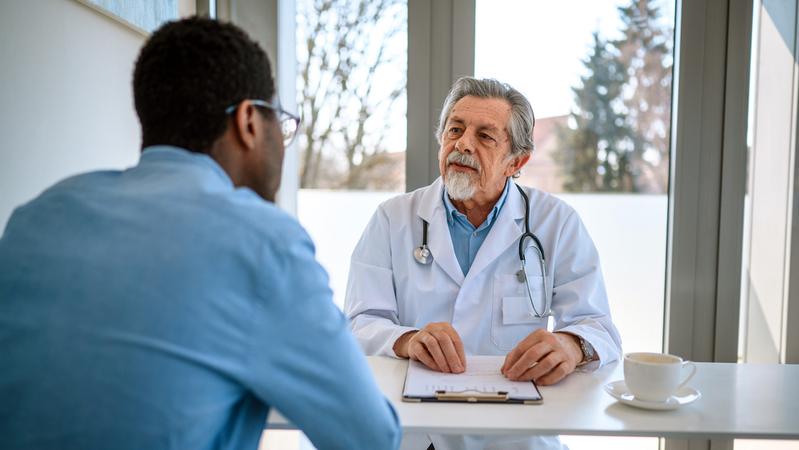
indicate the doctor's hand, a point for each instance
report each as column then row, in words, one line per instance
column 437, row 346
column 543, row 357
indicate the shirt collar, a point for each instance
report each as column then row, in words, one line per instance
column 453, row 213
column 169, row 153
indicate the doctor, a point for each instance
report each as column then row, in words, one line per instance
column 437, row 274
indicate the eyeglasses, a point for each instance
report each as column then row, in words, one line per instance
column 289, row 123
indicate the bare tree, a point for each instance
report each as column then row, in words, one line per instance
column 351, row 84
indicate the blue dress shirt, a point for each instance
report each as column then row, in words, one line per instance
column 466, row 238
column 160, row 307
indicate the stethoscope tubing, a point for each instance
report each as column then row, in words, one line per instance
column 423, row 256
column 541, row 261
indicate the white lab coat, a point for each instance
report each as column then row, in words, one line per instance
column 389, row 293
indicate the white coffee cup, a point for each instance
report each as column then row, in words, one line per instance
column 655, row 377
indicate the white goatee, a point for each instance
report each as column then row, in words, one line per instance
column 461, row 185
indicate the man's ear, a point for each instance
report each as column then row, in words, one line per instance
column 516, row 164
column 244, row 124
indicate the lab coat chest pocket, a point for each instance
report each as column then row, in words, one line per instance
column 516, row 310
column 513, row 315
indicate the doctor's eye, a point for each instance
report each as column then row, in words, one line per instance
column 487, row 137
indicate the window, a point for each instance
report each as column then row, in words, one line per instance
column 352, row 64
column 599, row 76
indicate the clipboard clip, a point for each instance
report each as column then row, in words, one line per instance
column 471, row 396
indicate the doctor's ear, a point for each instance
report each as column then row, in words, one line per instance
column 516, row 164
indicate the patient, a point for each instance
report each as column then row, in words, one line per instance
column 171, row 305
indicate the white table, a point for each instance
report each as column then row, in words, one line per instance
column 749, row 401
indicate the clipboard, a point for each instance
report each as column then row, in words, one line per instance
column 481, row 383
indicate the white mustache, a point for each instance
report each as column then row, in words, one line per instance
column 463, row 159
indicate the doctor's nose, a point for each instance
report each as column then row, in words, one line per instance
column 465, row 144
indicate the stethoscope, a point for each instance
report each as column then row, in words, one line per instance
column 423, row 256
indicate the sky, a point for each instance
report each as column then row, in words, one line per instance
column 537, row 46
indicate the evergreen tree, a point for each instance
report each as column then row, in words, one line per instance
column 597, row 145
column 645, row 50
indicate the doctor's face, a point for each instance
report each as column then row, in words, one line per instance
column 475, row 148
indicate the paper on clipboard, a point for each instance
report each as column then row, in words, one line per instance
column 482, row 376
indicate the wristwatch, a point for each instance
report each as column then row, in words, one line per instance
column 589, row 354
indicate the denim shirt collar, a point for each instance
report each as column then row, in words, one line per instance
column 169, row 153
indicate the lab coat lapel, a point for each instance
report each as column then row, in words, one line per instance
column 431, row 209
column 505, row 232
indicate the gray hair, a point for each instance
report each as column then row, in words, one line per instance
column 522, row 120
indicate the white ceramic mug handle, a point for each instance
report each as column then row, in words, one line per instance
column 693, row 372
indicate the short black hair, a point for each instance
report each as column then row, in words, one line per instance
column 188, row 73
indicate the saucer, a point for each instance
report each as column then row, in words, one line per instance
column 684, row 396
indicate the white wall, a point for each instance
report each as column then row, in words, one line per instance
column 66, row 102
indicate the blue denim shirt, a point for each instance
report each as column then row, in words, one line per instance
column 466, row 238
column 160, row 307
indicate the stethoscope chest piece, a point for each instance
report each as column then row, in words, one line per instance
column 422, row 255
